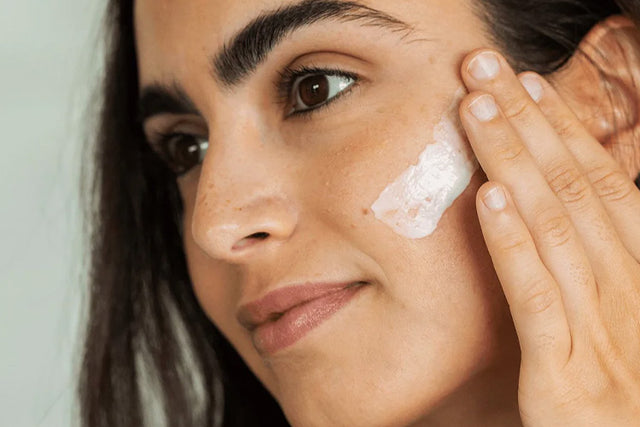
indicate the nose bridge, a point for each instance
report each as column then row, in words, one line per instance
column 242, row 204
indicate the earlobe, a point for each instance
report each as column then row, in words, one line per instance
column 601, row 83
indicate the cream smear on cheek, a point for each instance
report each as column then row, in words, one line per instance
column 414, row 203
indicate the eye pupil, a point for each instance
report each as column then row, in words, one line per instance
column 314, row 90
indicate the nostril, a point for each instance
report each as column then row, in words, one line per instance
column 250, row 240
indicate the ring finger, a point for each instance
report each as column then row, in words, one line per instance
column 562, row 173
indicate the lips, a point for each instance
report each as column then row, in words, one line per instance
column 285, row 315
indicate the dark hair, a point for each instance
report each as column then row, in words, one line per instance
column 146, row 330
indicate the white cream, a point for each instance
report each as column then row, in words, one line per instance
column 414, row 203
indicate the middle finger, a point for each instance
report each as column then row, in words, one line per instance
column 488, row 71
column 506, row 160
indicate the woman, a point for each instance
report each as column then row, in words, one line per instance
column 329, row 212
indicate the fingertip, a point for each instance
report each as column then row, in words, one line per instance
column 487, row 70
column 532, row 83
column 493, row 197
column 476, row 108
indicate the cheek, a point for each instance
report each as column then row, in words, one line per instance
column 214, row 285
column 210, row 278
column 440, row 276
column 434, row 179
column 400, row 170
column 413, row 204
column 361, row 156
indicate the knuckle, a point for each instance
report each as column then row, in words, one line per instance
column 568, row 184
column 508, row 151
column 544, row 341
column 554, row 229
column 537, row 297
column 611, row 185
column 517, row 108
column 513, row 243
column 564, row 127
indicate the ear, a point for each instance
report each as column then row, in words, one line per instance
column 601, row 83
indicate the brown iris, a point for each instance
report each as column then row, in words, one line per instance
column 183, row 153
column 314, row 90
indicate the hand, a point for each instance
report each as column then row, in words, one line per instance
column 562, row 224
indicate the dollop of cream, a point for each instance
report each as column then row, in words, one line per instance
column 414, row 203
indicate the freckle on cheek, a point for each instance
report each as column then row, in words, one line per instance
column 414, row 203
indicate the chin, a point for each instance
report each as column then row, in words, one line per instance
column 370, row 404
column 353, row 381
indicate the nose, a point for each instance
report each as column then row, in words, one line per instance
column 243, row 206
column 236, row 228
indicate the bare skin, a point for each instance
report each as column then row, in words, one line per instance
column 431, row 340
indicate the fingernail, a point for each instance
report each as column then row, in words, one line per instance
column 484, row 108
column 484, row 66
column 533, row 86
column 495, row 199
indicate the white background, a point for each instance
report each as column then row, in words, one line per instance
column 49, row 62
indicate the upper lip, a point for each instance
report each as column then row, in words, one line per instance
column 275, row 303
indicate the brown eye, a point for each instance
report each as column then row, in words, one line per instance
column 183, row 152
column 312, row 91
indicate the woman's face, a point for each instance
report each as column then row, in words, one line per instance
column 283, row 199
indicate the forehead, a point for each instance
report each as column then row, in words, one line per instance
column 177, row 39
column 168, row 32
column 177, row 24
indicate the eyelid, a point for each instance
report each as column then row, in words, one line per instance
column 157, row 128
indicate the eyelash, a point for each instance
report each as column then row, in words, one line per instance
column 284, row 87
column 289, row 76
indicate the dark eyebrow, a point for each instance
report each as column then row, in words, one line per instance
column 157, row 99
column 250, row 46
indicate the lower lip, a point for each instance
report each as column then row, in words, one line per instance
column 276, row 335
